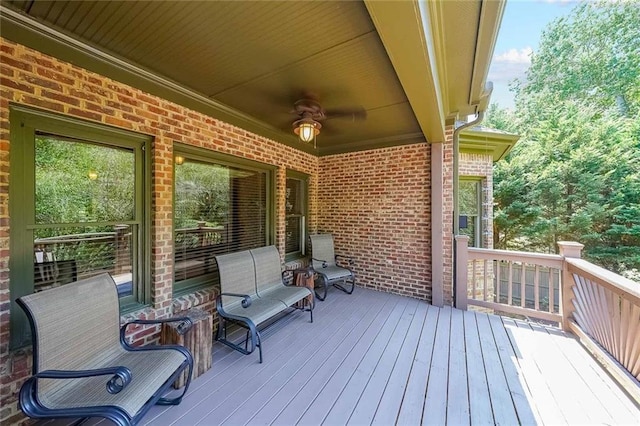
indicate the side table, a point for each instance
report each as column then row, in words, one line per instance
column 198, row 339
column 304, row 277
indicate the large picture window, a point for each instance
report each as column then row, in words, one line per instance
column 222, row 204
column 78, row 207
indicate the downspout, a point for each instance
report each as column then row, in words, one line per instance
column 456, row 180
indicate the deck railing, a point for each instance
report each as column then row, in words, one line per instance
column 520, row 283
column 600, row 307
column 605, row 315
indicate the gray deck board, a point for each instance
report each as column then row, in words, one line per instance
column 374, row 357
column 414, row 395
column 480, row 411
column 352, row 374
column 303, row 389
column 517, row 387
column 504, row 411
column 457, row 392
column 435, row 405
column 391, row 398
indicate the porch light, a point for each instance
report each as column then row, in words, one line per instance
column 307, row 129
column 179, row 160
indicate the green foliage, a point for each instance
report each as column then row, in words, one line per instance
column 66, row 194
column 575, row 173
column 202, row 194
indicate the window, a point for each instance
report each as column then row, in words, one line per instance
column 470, row 207
column 222, row 204
column 295, row 215
column 78, row 207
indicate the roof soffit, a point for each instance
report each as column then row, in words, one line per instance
column 412, row 51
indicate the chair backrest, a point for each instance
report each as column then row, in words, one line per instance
column 268, row 270
column 73, row 324
column 322, row 250
column 237, row 275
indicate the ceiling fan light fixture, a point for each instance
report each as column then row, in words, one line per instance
column 307, row 129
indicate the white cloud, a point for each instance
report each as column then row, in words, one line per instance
column 514, row 56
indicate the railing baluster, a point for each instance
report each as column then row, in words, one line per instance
column 552, row 300
column 536, row 288
column 614, row 316
column 473, row 280
column 486, row 281
column 633, row 341
column 626, row 330
column 497, row 282
column 510, row 289
column 523, row 289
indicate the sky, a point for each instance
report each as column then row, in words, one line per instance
column 520, row 31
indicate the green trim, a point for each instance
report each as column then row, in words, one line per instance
column 487, row 142
column 304, row 178
column 25, row 124
column 31, row 33
column 478, row 225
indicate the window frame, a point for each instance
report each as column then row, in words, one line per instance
column 203, row 155
column 304, row 178
column 25, row 124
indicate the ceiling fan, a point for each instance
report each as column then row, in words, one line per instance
column 310, row 113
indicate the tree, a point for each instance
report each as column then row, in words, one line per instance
column 575, row 173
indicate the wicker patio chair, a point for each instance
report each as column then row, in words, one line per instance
column 83, row 366
column 269, row 283
column 328, row 272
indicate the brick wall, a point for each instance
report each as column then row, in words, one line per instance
column 377, row 205
column 30, row 78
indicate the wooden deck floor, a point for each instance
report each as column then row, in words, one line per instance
column 377, row 358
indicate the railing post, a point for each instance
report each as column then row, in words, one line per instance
column 462, row 271
column 568, row 249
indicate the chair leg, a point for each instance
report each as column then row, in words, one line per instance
column 351, row 280
column 325, row 286
column 259, row 345
column 305, row 302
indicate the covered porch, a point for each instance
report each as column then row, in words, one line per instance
column 386, row 190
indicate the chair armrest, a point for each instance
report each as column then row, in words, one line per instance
column 246, row 299
column 121, row 376
column 324, row 262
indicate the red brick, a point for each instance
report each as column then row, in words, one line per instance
column 60, row 97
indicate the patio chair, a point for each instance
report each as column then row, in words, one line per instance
column 239, row 303
column 82, row 364
column 252, row 292
column 324, row 262
column 269, row 282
